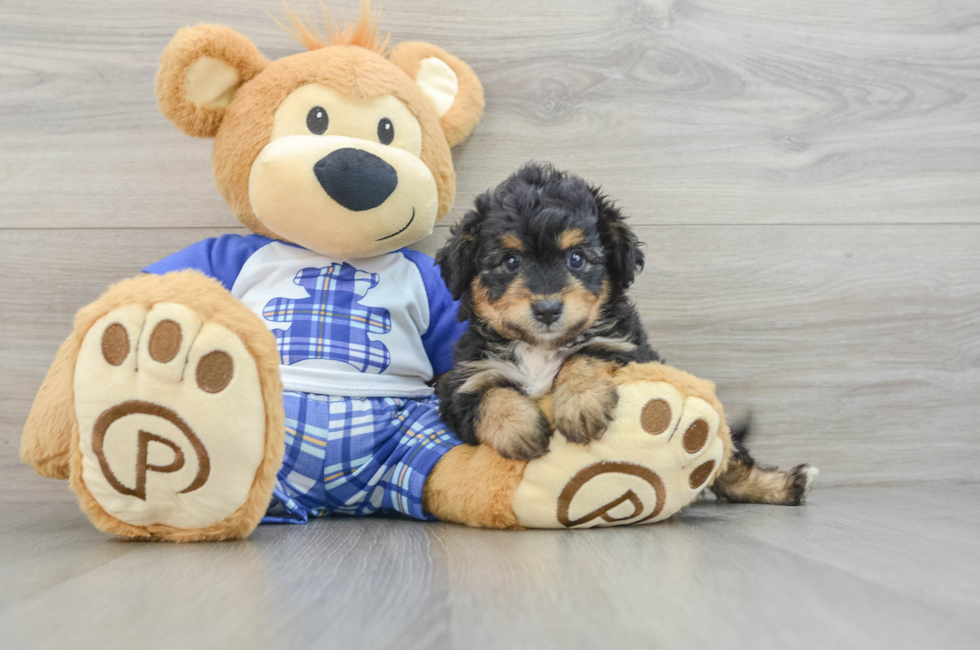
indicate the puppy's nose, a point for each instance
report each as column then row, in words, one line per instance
column 546, row 311
column 356, row 179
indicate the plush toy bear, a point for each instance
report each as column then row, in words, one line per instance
column 287, row 373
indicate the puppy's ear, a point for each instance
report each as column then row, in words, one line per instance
column 624, row 259
column 200, row 71
column 458, row 258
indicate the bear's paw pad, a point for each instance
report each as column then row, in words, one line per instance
column 171, row 417
column 660, row 451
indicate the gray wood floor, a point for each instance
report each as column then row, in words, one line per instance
column 862, row 567
column 806, row 177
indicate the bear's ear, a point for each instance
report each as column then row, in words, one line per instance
column 450, row 84
column 200, row 71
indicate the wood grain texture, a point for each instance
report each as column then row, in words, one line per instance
column 860, row 568
column 688, row 111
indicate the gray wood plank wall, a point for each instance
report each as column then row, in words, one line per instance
column 806, row 177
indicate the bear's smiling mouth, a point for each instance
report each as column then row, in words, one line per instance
column 403, row 228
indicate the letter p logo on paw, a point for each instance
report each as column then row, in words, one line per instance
column 141, row 463
column 584, row 500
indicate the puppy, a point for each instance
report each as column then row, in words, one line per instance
column 541, row 267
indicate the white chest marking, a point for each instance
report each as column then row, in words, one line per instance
column 537, row 368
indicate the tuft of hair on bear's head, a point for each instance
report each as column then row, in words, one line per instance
column 363, row 33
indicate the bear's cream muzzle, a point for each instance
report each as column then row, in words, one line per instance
column 340, row 196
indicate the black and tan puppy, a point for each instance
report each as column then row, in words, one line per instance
column 541, row 267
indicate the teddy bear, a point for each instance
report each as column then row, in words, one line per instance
column 287, row 373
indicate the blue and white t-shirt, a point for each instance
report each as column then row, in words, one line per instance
column 381, row 326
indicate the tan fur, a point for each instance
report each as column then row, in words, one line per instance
column 756, row 484
column 689, row 385
column 363, row 33
column 473, row 485
column 190, row 44
column 512, row 241
column 484, row 374
column 584, row 398
column 46, row 442
column 571, row 237
column 207, row 297
column 351, row 70
column 462, row 117
column 582, row 308
column 349, row 64
column 510, row 315
column 508, row 422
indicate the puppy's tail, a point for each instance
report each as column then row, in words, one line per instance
column 746, row 481
column 741, row 430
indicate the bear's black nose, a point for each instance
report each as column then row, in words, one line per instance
column 356, row 179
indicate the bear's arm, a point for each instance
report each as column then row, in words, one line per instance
column 444, row 329
column 221, row 258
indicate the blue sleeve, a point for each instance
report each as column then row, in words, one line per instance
column 221, row 258
column 444, row 328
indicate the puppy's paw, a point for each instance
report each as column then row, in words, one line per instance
column 583, row 413
column 802, row 480
column 758, row 483
column 585, row 399
column 513, row 425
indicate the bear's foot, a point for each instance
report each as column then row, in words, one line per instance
column 175, row 434
column 667, row 442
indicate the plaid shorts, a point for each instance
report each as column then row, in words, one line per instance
column 356, row 456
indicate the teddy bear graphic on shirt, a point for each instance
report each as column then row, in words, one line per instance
column 331, row 323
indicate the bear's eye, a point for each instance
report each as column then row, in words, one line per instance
column 386, row 131
column 575, row 260
column 317, row 120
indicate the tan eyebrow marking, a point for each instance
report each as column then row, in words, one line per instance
column 512, row 241
column 571, row 237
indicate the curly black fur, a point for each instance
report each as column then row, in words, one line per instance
column 533, row 207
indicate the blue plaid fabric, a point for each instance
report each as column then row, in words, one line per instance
column 356, row 456
column 330, row 323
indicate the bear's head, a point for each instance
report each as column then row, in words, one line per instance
column 343, row 149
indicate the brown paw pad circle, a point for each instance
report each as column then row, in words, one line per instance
column 700, row 475
column 165, row 341
column 696, row 436
column 115, row 344
column 655, row 416
column 214, row 371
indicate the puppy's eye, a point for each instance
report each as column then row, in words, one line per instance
column 386, row 131
column 512, row 262
column 575, row 260
column 317, row 120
